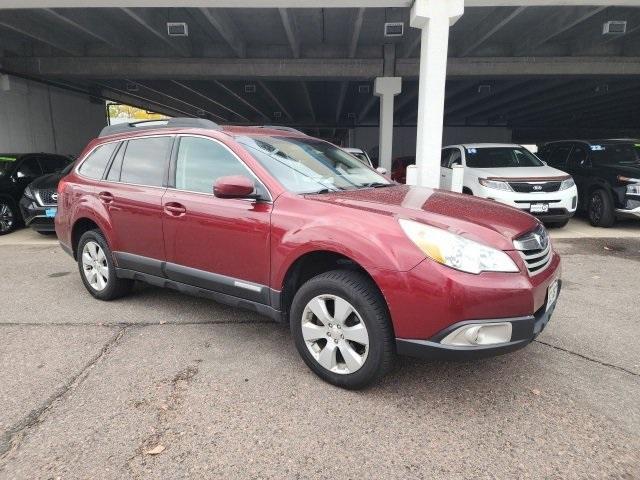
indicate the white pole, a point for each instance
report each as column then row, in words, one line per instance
column 386, row 88
column 434, row 18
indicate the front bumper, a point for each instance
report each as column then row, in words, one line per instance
column 35, row 215
column 562, row 204
column 524, row 330
column 633, row 213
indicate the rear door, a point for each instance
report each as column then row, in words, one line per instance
column 132, row 194
column 215, row 243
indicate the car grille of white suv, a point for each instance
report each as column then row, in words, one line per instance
column 533, row 187
column 535, row 249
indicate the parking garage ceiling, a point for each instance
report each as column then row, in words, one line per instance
column 527, row 67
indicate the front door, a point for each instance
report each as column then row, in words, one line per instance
column 215, row 243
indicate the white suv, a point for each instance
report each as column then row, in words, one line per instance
column 513, row 175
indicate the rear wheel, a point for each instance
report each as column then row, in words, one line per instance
column 8, row 216
column 600, row 209
column 97, row 270
column 342, row 330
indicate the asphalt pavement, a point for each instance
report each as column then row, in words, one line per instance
column 163, row 385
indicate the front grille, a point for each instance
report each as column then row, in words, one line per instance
column 47, row 196
column 535, row 187
column 535, row 249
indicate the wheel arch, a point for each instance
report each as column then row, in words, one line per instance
column 80, row 227
column 311, row 264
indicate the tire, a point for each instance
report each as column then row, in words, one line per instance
column 328, row 338
column 100, row 261
column 9, row 216
column 600, row 209
column 559, row 224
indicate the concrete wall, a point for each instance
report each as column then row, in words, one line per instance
column 404, row 138
column 38, row 118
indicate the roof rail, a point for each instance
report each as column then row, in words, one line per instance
column 168, row 123
column 283, row 128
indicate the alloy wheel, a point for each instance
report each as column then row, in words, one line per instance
column 6, row 218
column 335, row 334
column 94, row 266
column 596, row 208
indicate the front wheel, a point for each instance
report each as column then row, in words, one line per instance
column 600, row 209
column 97, row 270
column 8, row 216
column 342, row 330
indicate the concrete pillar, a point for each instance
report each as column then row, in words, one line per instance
column 434, row 17
column 386, row 88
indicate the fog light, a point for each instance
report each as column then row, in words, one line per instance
column 476, row 334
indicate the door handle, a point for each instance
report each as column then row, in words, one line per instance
column 106, row 197
column 175, row 209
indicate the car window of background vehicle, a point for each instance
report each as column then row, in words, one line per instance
column 501, row 157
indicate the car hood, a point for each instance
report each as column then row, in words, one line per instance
column 520, row 173
column 46, row 181
column 481, row 220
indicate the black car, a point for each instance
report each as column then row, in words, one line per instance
column 607, row 173
column 39, row 202
column 16, row 172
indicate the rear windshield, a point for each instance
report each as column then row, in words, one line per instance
column 308, row 165
column 501, row 157
column 6, row 163
column 616, row 154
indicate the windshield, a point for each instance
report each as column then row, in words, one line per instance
column 616, row 154
column 501, row 157
column 307, row 165
column 6, row 163
column 361, row 156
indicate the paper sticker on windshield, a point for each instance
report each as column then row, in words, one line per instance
column 8, row 159
column 472, row 150
column 597, row 148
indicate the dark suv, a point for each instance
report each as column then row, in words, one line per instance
column 607, row 173
column 16, row 172
column 295, row 228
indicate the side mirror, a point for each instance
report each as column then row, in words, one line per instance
column 234, row 186
column 381, row 171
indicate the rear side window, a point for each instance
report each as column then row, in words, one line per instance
column 444, row 158
column 201, row 162
column 96, row 162
column 145, row 161
column 558, row 157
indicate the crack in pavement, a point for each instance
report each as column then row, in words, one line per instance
column 11, row 438
column 590, row 359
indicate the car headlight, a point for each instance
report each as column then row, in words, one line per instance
column 495, row 184
column 568, row 183
column 29, row 193
column 455, row 251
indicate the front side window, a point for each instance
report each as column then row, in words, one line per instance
column 96, row 162
column 201, row 162
column 501, row 157
column 558, row 157
column 145, row 161
column 307, row 165
column 616, row 154
column 53, row 164
column 444, row 157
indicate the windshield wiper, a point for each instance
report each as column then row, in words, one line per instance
column 377, row 185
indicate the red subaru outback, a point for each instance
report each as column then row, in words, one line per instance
column 295, row 228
